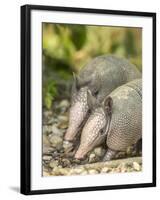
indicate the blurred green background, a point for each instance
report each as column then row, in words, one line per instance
column 67, row 48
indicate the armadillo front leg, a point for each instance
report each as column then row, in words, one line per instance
column 110, row 154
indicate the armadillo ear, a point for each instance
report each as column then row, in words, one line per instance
column 79, row 82
column 95, row 84
column 108, row 103
column 76, row 85
column 91, row 100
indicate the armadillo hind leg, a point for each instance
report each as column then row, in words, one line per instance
column 110, row 154
column 137, row 148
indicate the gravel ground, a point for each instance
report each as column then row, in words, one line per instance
column 58, row 155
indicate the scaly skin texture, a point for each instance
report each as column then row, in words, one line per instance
column 125, row 127
column 101, row 76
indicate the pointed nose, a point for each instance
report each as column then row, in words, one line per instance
column 69, row 136
column 79, row 155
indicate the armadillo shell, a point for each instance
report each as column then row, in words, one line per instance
column 107, row 73
column 126, row 123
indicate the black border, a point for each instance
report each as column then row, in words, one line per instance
column 26, row 97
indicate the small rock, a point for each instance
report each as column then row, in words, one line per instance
column 47, row 129
column 47, row 158
column 55, row 154
column 56, row 131
column 92, row 158
column 99, row 151
column 63, row 125
column 63, row 118
column 85, row 161
column 76, row 161
column 51, row 120
column 45, row 169
column 53, row 163
column 124, row 170
column 65, row 162
column 105, row 170
column 130, row 169
column 56, row 141
column 47, row 113
column 53, row 173
column 47, row 149
column 63, row 171
column 136, row 166
column 67, row 145
column 45, row 140
column 64, row 103
column 121, row 168
column 78, row 170
column 92, row 171
column 84, row 173
column 57, row 171
column 46, row 173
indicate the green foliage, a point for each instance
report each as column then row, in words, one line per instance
column 50, row 92
column 78, row 36
column 67, row 48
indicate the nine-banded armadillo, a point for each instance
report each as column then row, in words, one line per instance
column 117, row 120
column 101, row 76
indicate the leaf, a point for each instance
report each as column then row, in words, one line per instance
column 78, row 35
column 48, row 101
column 49, row 93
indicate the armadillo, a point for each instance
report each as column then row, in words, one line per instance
column 116, row 121
column 101, row 76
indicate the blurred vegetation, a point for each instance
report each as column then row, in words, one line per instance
column 67, row 48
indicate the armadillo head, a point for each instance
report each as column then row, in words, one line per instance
column 78, row 110
column 96, row 127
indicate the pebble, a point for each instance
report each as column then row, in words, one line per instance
column 129, row 169
column 56, row 131
column 47, row 129
column 65, row 162
column 47, row 149
column 78, row 170
column 63, row 125
column 92, row 158
column 67, row 145
column 45, row 140
column 53, row 163
column 99, row 151
column 46, row 173
column 63, row 118
column 76, row 161
column 51, row 121
column 47, row 158
column 122, row 168
column 55, row 154
column 57, row 171
column 136, row 166
column 64, row 103
column 56, row 141
column 105, row 170
column 92, row 171
column 45, row 169
column 84, row 173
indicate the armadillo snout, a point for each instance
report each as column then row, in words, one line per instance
column 79, row 155
column 68, row 137
column 76, row 117
column 71, row 133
